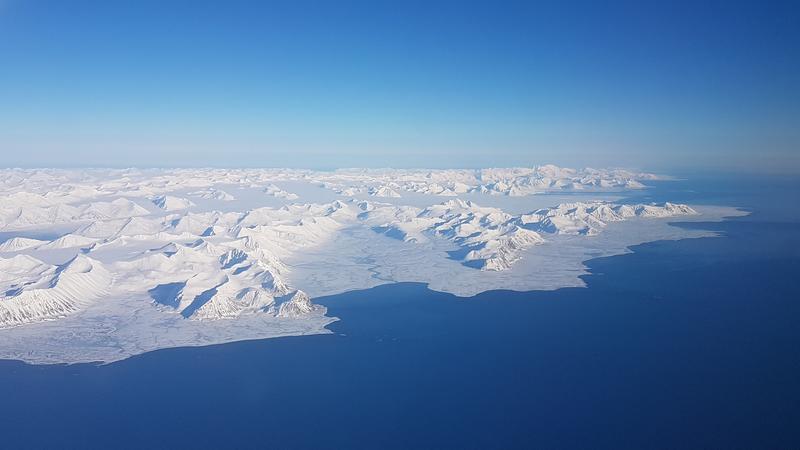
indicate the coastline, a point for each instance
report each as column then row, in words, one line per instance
column 96, row 348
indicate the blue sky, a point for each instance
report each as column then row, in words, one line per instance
column 655, row 85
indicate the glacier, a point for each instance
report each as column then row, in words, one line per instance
column 97, row 265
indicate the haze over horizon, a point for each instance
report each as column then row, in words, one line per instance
column 323, row 85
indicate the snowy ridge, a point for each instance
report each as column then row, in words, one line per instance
column 16, row 213
column 202, row 280
column 69, row 241
column 20, row 243
column 201, row 266
column 298, row 306
column 590, row 218
column 275, row 191
column 35, row 291
column 500, row 181
column 213, row 194
column 171, row 203
column 490, row 239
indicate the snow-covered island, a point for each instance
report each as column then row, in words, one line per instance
column 100, row 265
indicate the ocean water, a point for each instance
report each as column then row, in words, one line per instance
column 685, row 344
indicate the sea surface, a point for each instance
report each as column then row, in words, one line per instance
column 680, row 344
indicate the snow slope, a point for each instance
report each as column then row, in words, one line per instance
column 35, row 291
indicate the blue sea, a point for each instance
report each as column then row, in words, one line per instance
column 680, row 344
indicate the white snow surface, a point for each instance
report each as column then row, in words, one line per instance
column 101, row 265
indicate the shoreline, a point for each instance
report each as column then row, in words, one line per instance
column 320, row 325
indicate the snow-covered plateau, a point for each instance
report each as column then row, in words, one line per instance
column 100, row 265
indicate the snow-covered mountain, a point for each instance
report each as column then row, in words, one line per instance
column 128, row 247
column 500, row 181
column 213, row 194
column 589, row 219
column 171, row 203
column 490, row 239
column 275, row 191
column 35, row 291
column 20, row 243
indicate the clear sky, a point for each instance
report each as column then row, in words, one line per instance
column 654, row 85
